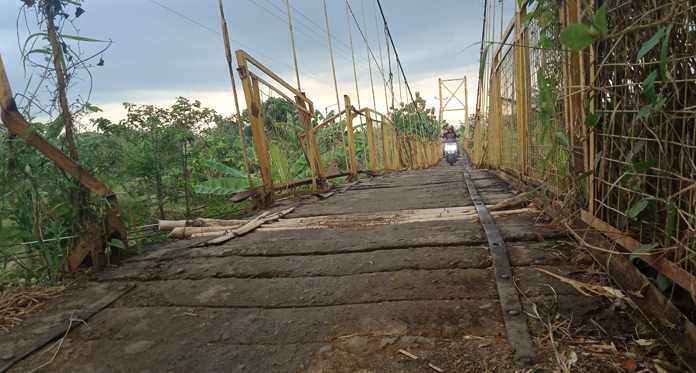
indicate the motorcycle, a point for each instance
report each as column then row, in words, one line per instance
column 451, row 151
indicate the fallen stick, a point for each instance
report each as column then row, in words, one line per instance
column 436, row 367
column 248, row 227
column 412, row 356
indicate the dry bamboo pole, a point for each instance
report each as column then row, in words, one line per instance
column 228, row 55
column 250, row 226
column 168, row 225
column 186, row 232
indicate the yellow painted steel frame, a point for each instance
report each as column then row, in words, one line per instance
column 250, row 84
column 453, row 95
column 385, row 151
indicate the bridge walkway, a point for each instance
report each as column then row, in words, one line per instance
column 341, row 299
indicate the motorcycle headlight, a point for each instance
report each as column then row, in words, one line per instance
column 450, row 147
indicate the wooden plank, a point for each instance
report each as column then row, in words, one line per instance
column 389, row 218
column 669, row 269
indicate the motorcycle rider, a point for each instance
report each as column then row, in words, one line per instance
column 450, row 134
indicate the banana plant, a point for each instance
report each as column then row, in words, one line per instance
column 236, row 183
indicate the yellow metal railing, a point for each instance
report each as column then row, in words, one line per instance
column 608, row 129
column 386, row 148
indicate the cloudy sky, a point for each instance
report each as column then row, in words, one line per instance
column 167, row 48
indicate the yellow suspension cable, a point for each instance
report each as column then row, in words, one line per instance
column 369, row 63
column 228, row 53
column 333, row 69
column 367, row 50
column 355, row 74
column 381, row 59
column 292, row 39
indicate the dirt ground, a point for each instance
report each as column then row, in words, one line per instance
column 348, row 299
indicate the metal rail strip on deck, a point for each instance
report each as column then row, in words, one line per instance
column 515, row 321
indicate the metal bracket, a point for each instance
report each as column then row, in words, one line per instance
column 515, row 322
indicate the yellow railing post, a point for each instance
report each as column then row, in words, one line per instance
column 265, row 198
column 370, row 139
column 316, row 164
column 351, row 139
column 386, row 164
column 523, row 84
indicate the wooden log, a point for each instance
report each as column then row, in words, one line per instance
column 186, row 232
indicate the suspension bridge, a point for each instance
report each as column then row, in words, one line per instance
column 514, row 259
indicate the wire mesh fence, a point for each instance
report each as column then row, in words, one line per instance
column 609, row 129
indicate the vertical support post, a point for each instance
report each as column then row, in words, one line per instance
column 228, row 55
column 253, row 99
column 370, row 139
column 589, row 156
column 439, row 88
column 316, row 164
column 466, row 110
column 409, row 152
column 523, row 84
column 351, row 139
column 386, row 159
column 497, row 116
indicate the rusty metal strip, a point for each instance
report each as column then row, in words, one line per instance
column 515, row 322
